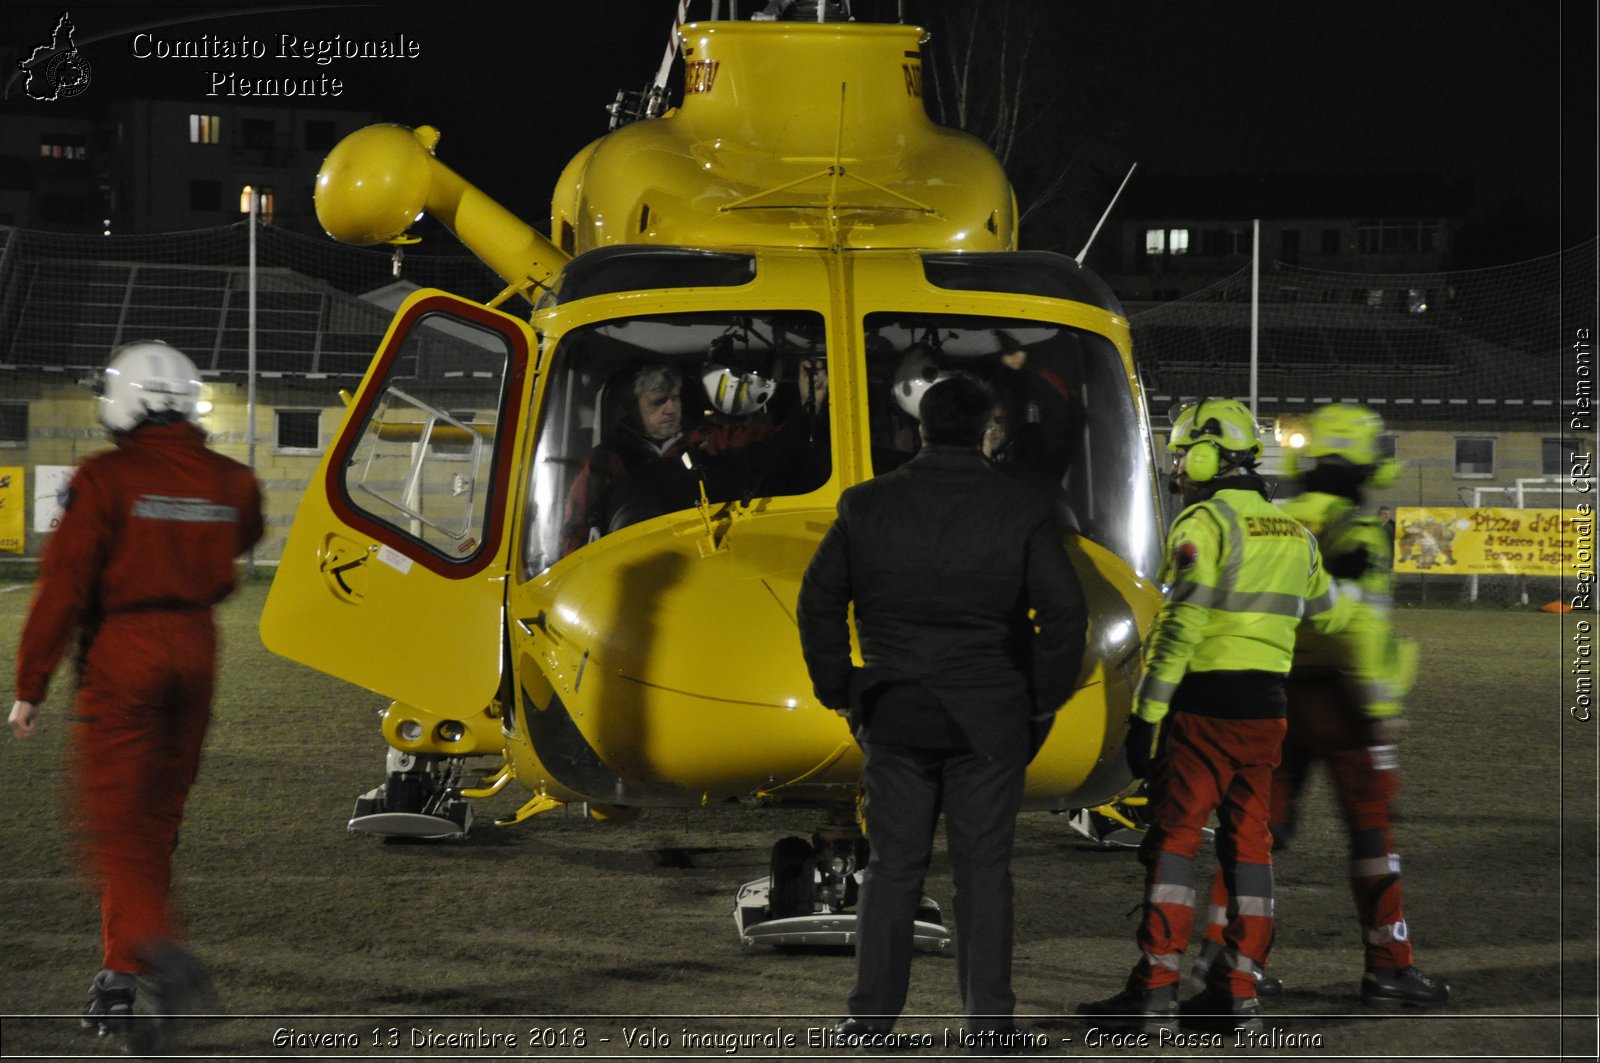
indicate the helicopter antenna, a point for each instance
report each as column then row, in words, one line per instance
column 1106, row 215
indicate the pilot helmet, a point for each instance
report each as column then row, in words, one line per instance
column 148, row 382
column 918, row 371
column 736, row 393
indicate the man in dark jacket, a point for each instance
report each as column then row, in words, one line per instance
column 943, row 558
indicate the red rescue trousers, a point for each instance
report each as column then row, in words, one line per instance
column 1326, row 724
column 1210, row 764
column 144, row 702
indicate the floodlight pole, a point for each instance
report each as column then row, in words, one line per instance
column 250, row 358
column 1255, row 313
column 250, row 341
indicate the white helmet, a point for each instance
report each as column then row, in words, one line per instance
column 736, row 394
column 146, row 380
column 917, row 373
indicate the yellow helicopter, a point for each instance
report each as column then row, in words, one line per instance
column 799, row 250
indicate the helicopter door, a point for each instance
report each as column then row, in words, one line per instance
column 394, row 572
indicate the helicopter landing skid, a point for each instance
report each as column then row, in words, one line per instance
column 752, row 914
column 409, row 824
column 420, row 798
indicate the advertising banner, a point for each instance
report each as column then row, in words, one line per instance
column 1489, row 542
column 49, row 488
column 13, row 510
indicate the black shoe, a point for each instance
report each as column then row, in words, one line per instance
column 1136, row 1009
column 1406, row 987
column 1267, row 986
column 178, row 991
column 1214, row 1009
column 110, row 1008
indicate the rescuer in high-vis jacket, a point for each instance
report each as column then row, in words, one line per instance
column 1208, row 719
column 1344, row 703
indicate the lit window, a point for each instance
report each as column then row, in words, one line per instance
column 205, row 129
column 265, row 202
column 1155, row 241
column 1178, row 241
column 62, row 146
column 1474, row 457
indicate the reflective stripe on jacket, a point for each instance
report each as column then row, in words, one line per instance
column 1240, row 576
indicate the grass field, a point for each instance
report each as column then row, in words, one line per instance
column 566, row 925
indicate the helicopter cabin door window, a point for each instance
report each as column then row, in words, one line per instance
column 422, row 470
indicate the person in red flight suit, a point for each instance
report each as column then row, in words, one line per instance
column 145, row 547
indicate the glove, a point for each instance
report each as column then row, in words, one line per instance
column 1140, row 746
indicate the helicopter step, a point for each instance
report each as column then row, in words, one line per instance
column 420, row 798
column 809, row 897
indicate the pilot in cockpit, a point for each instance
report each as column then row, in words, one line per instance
column 649, row 426
column 657, row 462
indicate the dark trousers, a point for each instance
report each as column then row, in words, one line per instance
column 980, row 795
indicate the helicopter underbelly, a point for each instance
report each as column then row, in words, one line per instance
column 643, row 696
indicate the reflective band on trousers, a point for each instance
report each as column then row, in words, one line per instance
column 1383, row 935
column 1170, row 893
column 1376, row 867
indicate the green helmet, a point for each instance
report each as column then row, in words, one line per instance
column 1345, row 430
column 1226, row 425
column 1348, row 432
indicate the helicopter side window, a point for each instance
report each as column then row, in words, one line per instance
column 1064, row 416
column 423, row 463
column 641, row 414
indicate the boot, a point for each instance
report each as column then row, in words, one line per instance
column 1135, row 1009
column 1212, row 1009
column 1407, row 987
column 110, row 1008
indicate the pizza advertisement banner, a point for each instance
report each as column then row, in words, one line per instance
column 1489, row 542
column 13, row 512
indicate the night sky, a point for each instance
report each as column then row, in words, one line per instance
column 1500, row 95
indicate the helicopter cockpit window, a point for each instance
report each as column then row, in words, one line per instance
column 1064, row 415
column 639, row 414
column 423, row 462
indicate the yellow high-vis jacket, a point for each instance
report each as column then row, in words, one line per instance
column 1240, row 575
column 1356, row 551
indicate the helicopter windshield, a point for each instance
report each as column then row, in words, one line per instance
column 1064, row 415
column 640, row 413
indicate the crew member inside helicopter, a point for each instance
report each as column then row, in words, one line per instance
column 653, row 464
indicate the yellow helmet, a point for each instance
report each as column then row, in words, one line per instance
column 1216, row 433
column 1353, row 433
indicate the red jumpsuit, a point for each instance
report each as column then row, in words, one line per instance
column 145, row 548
